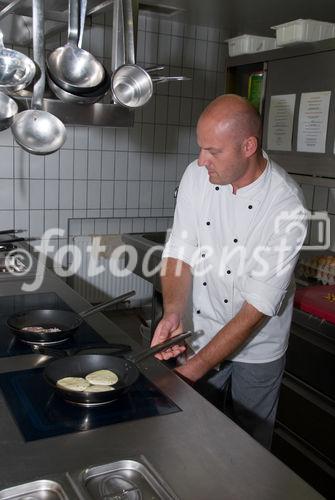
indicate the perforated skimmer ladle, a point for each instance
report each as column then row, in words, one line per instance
column 35, row 130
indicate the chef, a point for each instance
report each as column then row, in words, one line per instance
column 238, row 228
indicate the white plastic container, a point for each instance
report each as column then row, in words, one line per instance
column 249, row 44
column 303, row 30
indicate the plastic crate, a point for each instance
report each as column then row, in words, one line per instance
column 303, row 30
column 249, row 44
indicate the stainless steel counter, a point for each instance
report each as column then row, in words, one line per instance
column 199, row 452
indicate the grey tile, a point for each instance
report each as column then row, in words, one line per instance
column 210, row 84
column 97, row 40
column 168, row 212
column 80, row 137
column 36, row 167
column 120, row 194
column 320, row 198
column 190, row 30
column 52, row 162
column 146, row 166
column 21, row 164
column 79, row 194
column 135, row 137
column 21, row 193
column 121, row 139
column 6, row 138
column 171, row 139
column 147, row 142
column 183, row 140
column 93, row 194
column 7, row 162
column 64, row 216
column 134, row 160
column 161, row 109
column 50, row 219
column 152, row 24
column 158, row 167
column 193, row 145
column 6, row 219
column 107, row 194
column 165, row 26
column 144, row 212
column 164, row 44
column 331, row 201
column 169, row 188
column 132, row 212
column 199, row 83
column 120, row 212
column 133, row 194
column 188, row 52
column 157, row 194
column 213, row 35
column 201, row 32
column 6, row 194
column 75, row 227
column 151, row 42
column 66, row 164
column 113, row 226
column 121, row 165
column 107, row 165
column 220, row 83
column 95, row 138
column 187, row 87
column 88, row 227
column 108, row 139
column 138, row 225
column 141, row 21
column 149, row 111
column 176, row 57
column 160, row 138
column 200, row 54
column 140, row 45
column 177, row 28
column 150, row 225
column 100, row 226
column 185, row 111
column 170, row 167
column 51, row 194
column 36, row 193
column 308, row 191
column 94, row 165
column 36, row 223
column 212, row 56
column 162, row 224
column 156, row 212
column 198, row 106
column 21, row 221
column 66, row 194
column 145, row 194
column 182, row 162
column 173, row 110
column 80, row 164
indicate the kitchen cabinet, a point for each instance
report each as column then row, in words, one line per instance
column 308, row 67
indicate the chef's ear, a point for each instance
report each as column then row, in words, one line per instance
column 250, row 146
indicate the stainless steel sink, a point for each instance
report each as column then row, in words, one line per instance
column 43, row 489
column 157, row 237
column 122, row 480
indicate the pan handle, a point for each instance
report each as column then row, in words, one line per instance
column 110, row 302
column 160, row 347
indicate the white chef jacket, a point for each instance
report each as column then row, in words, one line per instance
column 232, row 243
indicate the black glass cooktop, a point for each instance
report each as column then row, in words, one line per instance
column 10, row 346
column 40, row 413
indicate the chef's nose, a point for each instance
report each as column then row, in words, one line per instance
column 203, row 160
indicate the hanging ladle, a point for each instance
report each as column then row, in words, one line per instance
column 8, row 110
column 35, row 130
column 16, row 69
column 72, row 68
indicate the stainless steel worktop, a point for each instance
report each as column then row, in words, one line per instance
column 199, row 452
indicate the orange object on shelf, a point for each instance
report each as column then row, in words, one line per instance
column 317, row 300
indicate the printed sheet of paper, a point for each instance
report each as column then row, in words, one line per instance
column 313, row 121
column 280, row 124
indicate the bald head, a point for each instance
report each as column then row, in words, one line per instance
column 235, row 114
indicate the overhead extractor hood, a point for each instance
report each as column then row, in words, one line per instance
column 16, row 24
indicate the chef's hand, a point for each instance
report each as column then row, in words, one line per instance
column 169, row 326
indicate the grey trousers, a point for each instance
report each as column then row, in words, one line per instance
column 248, row 393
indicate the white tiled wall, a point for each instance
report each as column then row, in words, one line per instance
column 113, row 173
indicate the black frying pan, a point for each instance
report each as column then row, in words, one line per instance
column 66, row 321
column 81, row 365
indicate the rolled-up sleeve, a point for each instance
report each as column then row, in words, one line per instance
column 271, row 269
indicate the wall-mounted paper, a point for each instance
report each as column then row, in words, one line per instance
column 280, row 123
column 313, row 121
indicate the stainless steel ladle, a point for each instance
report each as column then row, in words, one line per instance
column 72, row 68
column 8, row 110
column 16, row 69
column 35, row 130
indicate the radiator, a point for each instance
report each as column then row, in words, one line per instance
column 106, row 285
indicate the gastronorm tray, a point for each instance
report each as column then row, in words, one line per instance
column 43, row 489
column 122, row 480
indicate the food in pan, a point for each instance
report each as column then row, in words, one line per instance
column 99, row 388
column 102, row 377
column 40, row 329
column 77, row 384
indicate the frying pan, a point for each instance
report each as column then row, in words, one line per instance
column 66, row 321
column 81, row 365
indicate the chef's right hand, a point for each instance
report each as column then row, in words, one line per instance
column 169, row 326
